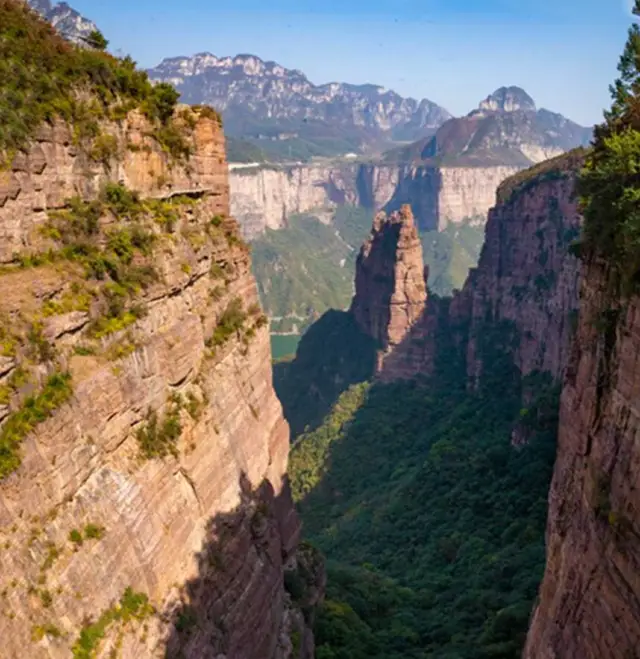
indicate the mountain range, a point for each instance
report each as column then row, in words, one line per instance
column 505, row 129
column 272, row 113
column 265, row 102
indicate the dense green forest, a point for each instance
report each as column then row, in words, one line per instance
column 432, row 521
column 308, row 267
column 451, row 253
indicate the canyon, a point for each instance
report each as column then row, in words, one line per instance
column 526, row 281
column 448, row 177
column 145, row 459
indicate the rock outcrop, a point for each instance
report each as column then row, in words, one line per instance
column 391, row 290
column 144, row 508
column 589, row 602
column 55, row 168
column 526, row 280
column 524, row 289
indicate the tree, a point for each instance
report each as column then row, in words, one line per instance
column 609, row 185
column 165, row 98
column 97, row 40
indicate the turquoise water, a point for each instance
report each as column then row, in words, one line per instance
column 283, row 346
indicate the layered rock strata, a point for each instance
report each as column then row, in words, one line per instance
column 56, row 168
column 264, row 197
column 527, row 280
column 525, row 287
column 589, row 602
column 391, row 290
column 144, row 509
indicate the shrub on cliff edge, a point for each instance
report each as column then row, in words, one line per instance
column 609, row 184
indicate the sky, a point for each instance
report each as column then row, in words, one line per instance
column 564, row 53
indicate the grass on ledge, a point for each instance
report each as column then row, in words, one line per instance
column 132, row 606
column 43, row 77
column 35, row 409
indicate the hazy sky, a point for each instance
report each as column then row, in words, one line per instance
column 454, row 52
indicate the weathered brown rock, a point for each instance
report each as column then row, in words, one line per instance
column 589, row 604
column 391, row 292
column 54, row 168
column 526, row 283
column 205, row 534
column 526, row 278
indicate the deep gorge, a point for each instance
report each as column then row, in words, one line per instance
column 431, row 476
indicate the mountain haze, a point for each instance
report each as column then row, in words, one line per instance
column 505, row 129
column 263, row 101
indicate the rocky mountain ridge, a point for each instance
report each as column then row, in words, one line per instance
column 69, row 23
column 263, row 100
column 506, row 129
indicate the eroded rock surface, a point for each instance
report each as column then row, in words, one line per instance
column 391, row 292
column 589, row 604
column 204, row 530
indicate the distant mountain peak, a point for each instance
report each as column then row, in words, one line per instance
column 264, row 101
column 69, row 23
column 508, row 99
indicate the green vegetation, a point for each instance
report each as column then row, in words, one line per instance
column 42, row 77
column 308, row 268
column 230, row 322
column 35, row 409
column 76, row 537
column 608, row 185
column 332, row 355
column 240, row 150
column 432, row 521
column 38, row 632
column 549, row 170
column 158, row 439
column 94, row 532
column 295, row 140
column 451, row 253
column 132, row 606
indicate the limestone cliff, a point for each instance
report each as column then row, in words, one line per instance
column 264, row 197
column 144, row 509
column 524, row 290
column 391, row 287
column 588, row 604
column 526, row 280
column 440, row 195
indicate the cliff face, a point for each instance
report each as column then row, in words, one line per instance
column 526, row 279
column 56, row 168
column 391, row 290
column 440, row 195
column 524, row 290
column 588, row 604
column 144, row 509
column 264, row 197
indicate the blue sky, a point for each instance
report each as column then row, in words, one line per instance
column 454, row 52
